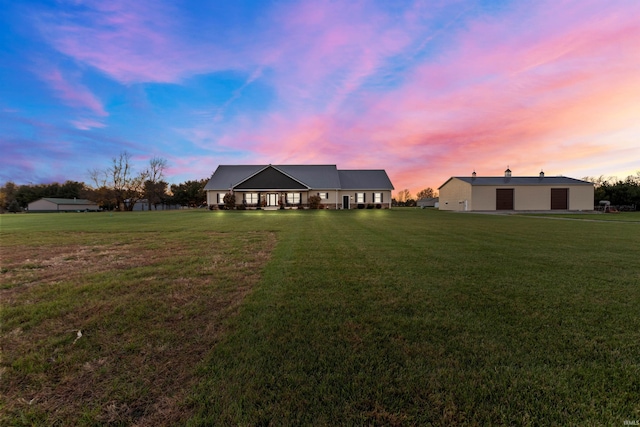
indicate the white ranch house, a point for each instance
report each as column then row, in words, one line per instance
column 289, row 186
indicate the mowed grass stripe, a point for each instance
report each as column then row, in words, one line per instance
column 409, row 317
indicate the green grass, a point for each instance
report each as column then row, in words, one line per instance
column 401, row 317
column 618, row 216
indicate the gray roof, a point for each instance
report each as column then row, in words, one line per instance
column 313, row 176
column 519, row 180
column 227, row 176
column 68, row 201
column 364, row 180
column 427, row 202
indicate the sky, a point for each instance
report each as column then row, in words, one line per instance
column 423, row 89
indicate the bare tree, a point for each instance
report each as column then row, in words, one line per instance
column 156, row 169
column 100, row 192
column 121, row 186
column 427, row 193
column 99, row 177
column 403, row 195
column 119, row 182
column 154, row 186
column 120, row 178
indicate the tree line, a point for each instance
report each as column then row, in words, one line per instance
column 120, row 187
column 404, row 197
column 621, row 193
column 117, row 187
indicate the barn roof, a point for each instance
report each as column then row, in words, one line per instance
column 519, row 180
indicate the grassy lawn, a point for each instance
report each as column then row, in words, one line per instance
column 618, row 216
column 401, row 317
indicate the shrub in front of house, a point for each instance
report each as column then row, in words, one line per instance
column 360, row 205
column 314, row 202
column 229, row 200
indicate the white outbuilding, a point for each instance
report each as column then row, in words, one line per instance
column 51, row 204
column 509, row 193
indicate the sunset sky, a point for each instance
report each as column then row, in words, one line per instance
column 423, row 89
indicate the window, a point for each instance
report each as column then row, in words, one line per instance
column 359, row 197
column 377, row 197
column 293, row 198
column 251, row 198
column 221, row 198
column 323, row 196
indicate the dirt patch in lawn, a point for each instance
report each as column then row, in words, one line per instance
column 26, row 266
column 112, row 333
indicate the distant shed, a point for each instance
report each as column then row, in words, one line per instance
column 50, row 204
column 428, row 202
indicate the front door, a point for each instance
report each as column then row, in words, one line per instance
column 345, row 202
column 272, row 199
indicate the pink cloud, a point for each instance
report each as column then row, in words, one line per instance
column 131, row 41
column 71, row 93
column 322, row 52
column 86, row 124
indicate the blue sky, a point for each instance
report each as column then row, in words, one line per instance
column 423, row 89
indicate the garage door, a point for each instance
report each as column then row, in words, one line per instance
column 504, row 199
column 559, row 198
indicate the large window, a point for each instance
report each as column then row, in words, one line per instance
column 293, row 198
column 359, row 197
column 221, row 198
column 251, row 198
column 323, row 196
column 377, row 197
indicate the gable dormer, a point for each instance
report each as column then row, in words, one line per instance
column 270, row 178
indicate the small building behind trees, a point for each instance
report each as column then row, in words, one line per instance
column 427, row 202
column 51, row 204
